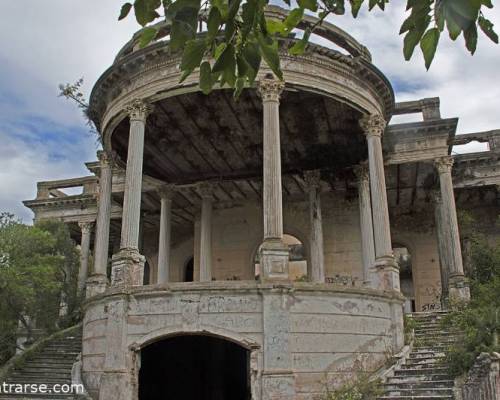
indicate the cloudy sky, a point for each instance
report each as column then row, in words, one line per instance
column 43, row 44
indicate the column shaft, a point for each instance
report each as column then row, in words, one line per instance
column 86, row 229
column 317, row 258
column 103, row 215
column 206, row 238
column 165, row 234
column 443, row 249
column 366, row 224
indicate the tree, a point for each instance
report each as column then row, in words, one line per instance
column 33, row 263
column 238, row 35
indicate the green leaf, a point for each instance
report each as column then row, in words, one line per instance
column 145, row 11
column 309, row 4
column 225, row 60
column 239, row 86
column 355, row 7
column 234, row 6
column 213, row 23
column 487, row 3
column 270, row 55
column 470, row 36
column 454, row 28
column 248, row 15
column 125, row 11
column 252, row 56
column 487, row 28
column 413, row 37
column 192, row 56
column 147, row 35
column 293, row 18
column 274, row 26
column 206, row 82
column 299, row 47
column 429, row 44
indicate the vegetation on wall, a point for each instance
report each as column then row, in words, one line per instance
column 478, row 321
column 38, row 268
column 361, row 389
column 239, row 36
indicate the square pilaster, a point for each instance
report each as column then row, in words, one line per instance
column 127, row 268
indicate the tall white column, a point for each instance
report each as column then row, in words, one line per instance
column 128, row 264
column 373, row 127
column 366, row 226
column 166, row 194
column 86, row 230
column 205, row 191
column 317, row 258
column 443, row 249
column 274, row 253
column 97, row 282
column 458, row 288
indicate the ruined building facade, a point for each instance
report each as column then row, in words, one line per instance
column 265, row 247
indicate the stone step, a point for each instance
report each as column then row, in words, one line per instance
column 410, row 379
column 436, row 397
column 419, row 371
column 419, row 384
column 420, row 392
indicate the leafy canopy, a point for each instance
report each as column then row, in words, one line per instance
column 238, row 36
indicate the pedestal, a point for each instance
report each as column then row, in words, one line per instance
column 127, row 268
column 274, row 261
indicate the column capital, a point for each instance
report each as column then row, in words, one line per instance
column 205, row 190
column 270, row 89
column 166, row 191
column 362, row 172
column 313, row 179
column 373, row 125
column 107, row 158
column 444, row 164
column 138, row 110
column 86, row 226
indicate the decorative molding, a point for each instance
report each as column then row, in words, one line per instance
column 138, row 110
column 166, row 191
column 86, row 226
column 373, row 125
column 270, row 89
column 107, row 158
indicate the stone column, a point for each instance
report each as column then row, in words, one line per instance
column 86, row 229
column 273, row 253
column 370, row 275
column 128, row 264
column 457, row 287
column 317, row 259
column 373, row 127
column 205, row 191
column 98, row 281
column 166, row 194
column 441, row 234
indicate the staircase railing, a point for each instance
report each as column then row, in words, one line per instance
column 483, row 380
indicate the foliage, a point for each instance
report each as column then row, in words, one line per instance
column 361, row 389
column 478, row 321
column 238, row 36
column 409, row 327
column 33, row 262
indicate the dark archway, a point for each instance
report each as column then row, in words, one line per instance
column 404, row 259
column 194, row 367
column 146, row 280
column 189, row 270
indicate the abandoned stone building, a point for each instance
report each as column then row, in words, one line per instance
column 264, row 247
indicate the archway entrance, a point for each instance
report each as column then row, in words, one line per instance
column 189, row 271
column 194, row 367
column 403, row 257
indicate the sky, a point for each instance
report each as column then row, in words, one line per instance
column 43, row 44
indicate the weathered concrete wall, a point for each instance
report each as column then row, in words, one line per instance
column 298, row 335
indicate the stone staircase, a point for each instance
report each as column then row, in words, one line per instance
column 424, row 376
column 49, row 366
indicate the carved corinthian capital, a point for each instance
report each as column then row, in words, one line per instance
column 373, row 125
column 106, row 158
column 362, row 172
column 85, row 226
column 313, row 179
column 138, row 110
column 444, row 164
column 270, row 89
column 205, row 190
column 166, row 191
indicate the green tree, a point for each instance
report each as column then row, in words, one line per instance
column 238, row 35
column 33, row 263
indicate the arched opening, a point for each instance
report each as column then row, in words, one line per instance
column 194, row 367
column 297, row 259
column 146, row 279
column 403, row 257
column 189, row 271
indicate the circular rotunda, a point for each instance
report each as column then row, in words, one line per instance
column 255, row 257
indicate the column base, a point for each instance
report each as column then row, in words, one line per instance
column 96, row 284
column 274, row 256
column 388, row 273
column 127, row 268
column 458, row 289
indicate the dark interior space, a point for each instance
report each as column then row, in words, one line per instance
column 194, row 367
